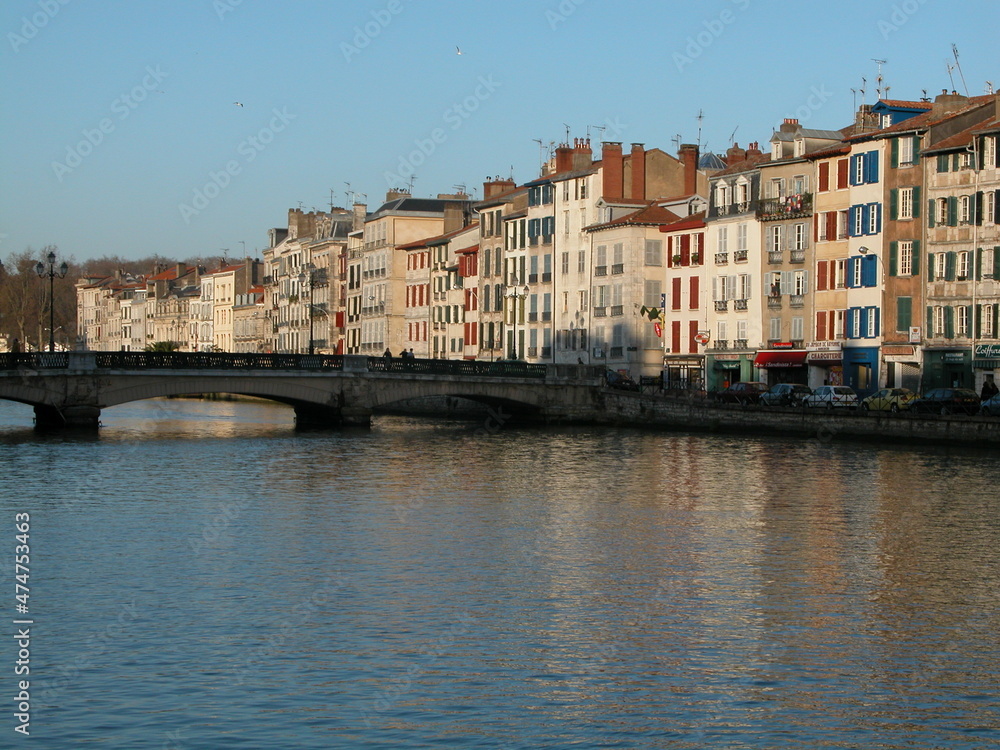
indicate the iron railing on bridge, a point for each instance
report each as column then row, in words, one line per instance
column 34, row 360
column 469, row 367
column 216, row 361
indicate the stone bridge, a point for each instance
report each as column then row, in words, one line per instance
column 71, row 388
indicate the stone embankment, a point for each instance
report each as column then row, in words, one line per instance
column 666, row 412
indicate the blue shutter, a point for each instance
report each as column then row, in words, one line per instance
column 877, row 208
column 874, row 311
column 869, row 270
column 862, row 333
column 865, row 217
column 854, row 169
column 850, row 272
column 849, row 323
column 851, row 221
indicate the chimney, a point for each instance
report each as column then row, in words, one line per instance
column 583, row 157
column 688, row 155
column 358, row 215
column 753, row 149
column 564, row 158
column 790, row 125
column 735, row 154
column 637, row 160
column 181, row 269
column 395, row 194
column 612, row 167
column 496, row 186
column 945, row 102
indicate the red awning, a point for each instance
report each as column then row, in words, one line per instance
column 784, row 358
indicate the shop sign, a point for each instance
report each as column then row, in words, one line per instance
column 954, row 357
column 727, row 357
column 987, row 351
column 782, row 345
column 825, row 356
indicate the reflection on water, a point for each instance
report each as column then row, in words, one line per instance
column 422, row 584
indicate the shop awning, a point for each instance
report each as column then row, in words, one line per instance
column 783, row 358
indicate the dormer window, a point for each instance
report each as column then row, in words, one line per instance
column 776, row 150
column 800, row 147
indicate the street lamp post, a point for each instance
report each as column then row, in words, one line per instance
column 51, row 271
column 516, row 294
column 306, row 279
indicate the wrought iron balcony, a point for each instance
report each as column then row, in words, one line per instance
column 721, row 305
column 774, row 257
column 740, row 256
column 617, row 268
column 739, row 304
column 721, row 258
column 600, row 270
column 600, row 312
column 740, row 344
column 774, row 302
column 797, row 256
column 616, row 310
column 790, row 207
column 796, row 300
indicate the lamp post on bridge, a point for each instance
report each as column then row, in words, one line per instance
column 51, row 271
column 515, row 294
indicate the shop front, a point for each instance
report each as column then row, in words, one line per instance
column 684, row 373
column 826, row 365
column 986, row 364
column 948, row 368
column 902, row 366
column 861, row 369
column 726, row 369
column 781, row 365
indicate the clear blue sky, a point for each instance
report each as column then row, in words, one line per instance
column 337, row 93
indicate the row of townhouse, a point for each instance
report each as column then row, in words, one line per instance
column 868, row 258
column 865, row 256
column 193, row 309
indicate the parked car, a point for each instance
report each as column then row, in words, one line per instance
column 947, row 401
column 991, row 406
column 744, row 392
column 785, row 394
column 619, row 381
column 832, row 397
column 889, row 399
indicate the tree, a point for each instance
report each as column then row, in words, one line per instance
column 162, row 346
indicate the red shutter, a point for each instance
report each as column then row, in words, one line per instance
column 670, row 252
column 686, row 250
column 831, row 225
column 821, row 326
column 824, row 176
column 842, row 167
column 694, row 298
column 675, row 294
column 821, row 275
column 816, row 227
column 833, row 275
column 831, row 323
column 675, row 337
column 692, row 332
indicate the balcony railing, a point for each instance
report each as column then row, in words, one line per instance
column 774, row 302
column 797, row 256
column 600, row 312
column 600, row 270
column 796, row 300
column 721, row 305
column 740, row 256
column 616, row 310
column 789, row 207
column 774, row 256
column 722, row 344
column 729, row 209
column 617, row 268
column 721, row 258
column 740, row 344
column 617, row 351
column 739, row 304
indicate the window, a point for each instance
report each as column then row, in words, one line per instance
column 800, row 184
column 800, row 238
column 722, row 195
column 798, row 329
column 777, row 188
column 874, row 215
column 962, row 321
column 800, row 285
column 872, row 321
column 940, row 265
column 987, row 323
column 583, row 301
column 838, row 323
column 741, row 236
column 990, row 151
column 938, row 317
column 906, row 202
column 906, row 258
column 654, row 253
column 722, row 331
column 963, row 265
column 774, row 238
column 965, row 209
column 990, row 201
column 742, row 195
column 742, row 326
column 858, row 225
column 565, row 264
column 775, row 329
column 821, row 227
column 652, row 289
column 855, row 264
column 855, row 331
column 941, row 214
column 723, row 239
column 744, row 288
column 905, row 151
column 581, row 262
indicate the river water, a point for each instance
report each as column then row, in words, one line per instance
column 202, row 576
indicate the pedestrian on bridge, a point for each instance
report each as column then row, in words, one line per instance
column 387, row 354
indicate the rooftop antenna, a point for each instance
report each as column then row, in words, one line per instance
column 864, row 83
column 511, row 172
column 541, row 152
column 989, row 88
column 349, row 194
column 677, row 142
column 409, row 185
column 331, row 200
column 732, row 136
column 878, row 81
column 950, row 76
column 459, row 188
column 699, row 118
column 567, row 133
column 924, row 98
column 854, row 93
column 601, row 128
column 954, row 51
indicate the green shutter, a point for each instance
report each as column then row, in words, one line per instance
column 949, row 322
column 894, row 202
column 969, row 312
column 916, row 202
column 942, row 165
column 930, row 266
column 954, row 162
column 977, row 264
column 930, row 323
column 996, row 263
column 978, row 323
column 895, row 152
column 949, row 266
column 916, row 149
column 915, row 271
column 930, row 213
column 893, row 258
column 977, row 207
column 952, row 211
column 904, row 313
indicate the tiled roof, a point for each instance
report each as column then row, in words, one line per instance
column 959, row 139
column 903, row 104
column 651, row 215
column 438, row 240
column 924, row 120
column 694, row 221
column 469, row 249
column 745, row 165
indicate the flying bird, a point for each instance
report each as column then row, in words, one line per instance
column 238, row 104
column 458, row 50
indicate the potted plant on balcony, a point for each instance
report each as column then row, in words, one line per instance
column 677, row 259
column 696, row 257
